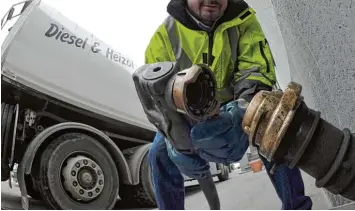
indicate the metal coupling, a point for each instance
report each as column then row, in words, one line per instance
column 268, row 117
column 194, row 92
column 173, row 99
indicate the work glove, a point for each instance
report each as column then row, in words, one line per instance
column 192, row 165
column 222, row 139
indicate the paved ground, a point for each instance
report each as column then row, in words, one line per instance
column 242, row 192
column 253, row 192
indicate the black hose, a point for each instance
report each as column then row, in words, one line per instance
column 320, row 149
column 209, row 189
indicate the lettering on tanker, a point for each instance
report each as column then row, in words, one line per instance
column 65, row 37
column 117, row 57
column 95, row 47
column 59, row 34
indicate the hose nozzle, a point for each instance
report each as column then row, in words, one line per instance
column 173, row 99
column 194, row 92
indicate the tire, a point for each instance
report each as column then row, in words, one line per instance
column 58, row 157
column 224, row 175
column 143, row 193
column 6, row 139
column 230, row 168
column 4, row 111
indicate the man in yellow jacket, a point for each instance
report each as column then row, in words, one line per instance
column 226, row 36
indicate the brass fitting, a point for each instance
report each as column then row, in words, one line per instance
column 268, row 116
column 194, row 92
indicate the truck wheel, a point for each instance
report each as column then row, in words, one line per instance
column 7, row 113
column 143, row 193
column 224, row 175
column 77, row 172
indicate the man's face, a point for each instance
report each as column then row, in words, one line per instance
column 207, row 10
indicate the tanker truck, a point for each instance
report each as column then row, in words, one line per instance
column 70, row 115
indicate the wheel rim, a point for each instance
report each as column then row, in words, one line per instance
column 83, row 178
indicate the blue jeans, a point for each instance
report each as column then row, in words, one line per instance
column 289, row 187
column 170, row 191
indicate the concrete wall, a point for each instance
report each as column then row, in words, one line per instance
column 319, row 37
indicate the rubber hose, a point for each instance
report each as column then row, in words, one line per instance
column 321, row 150
column 209, row 189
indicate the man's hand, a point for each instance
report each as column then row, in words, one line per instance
column 222, row 139
column 192, row 165
column 219, row 140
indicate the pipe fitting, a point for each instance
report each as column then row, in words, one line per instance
column 194, row 92
column 287, row 132
column 268, row 116
column 174, row 99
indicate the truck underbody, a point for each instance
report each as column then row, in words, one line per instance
column 51, row 111
column 32, row 113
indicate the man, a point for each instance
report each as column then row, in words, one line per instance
column 227, row 37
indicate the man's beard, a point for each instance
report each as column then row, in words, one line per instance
column 209, row 19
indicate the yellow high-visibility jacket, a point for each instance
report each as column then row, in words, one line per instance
column 235, row 49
